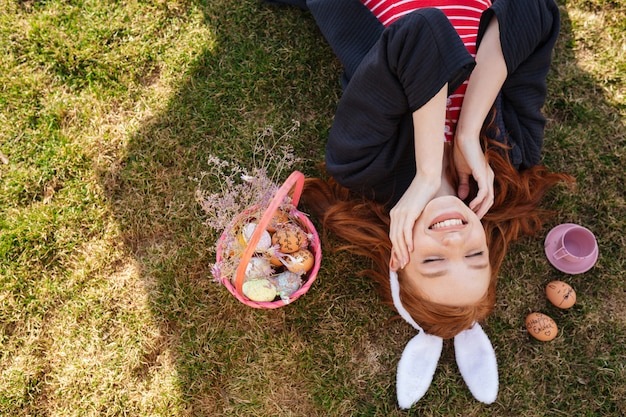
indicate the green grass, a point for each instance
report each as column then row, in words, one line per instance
column 109, row 110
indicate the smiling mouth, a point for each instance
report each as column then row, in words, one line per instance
column 447, row 223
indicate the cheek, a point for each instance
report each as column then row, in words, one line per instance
column 421, row 242
column 479, row 235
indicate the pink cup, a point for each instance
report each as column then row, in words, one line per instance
column 576, row 245
column 571, row 248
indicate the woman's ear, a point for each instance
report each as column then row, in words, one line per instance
column 394, row 265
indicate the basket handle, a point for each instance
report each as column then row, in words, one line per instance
column 295, row 181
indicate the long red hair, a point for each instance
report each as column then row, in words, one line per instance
column 363, row 226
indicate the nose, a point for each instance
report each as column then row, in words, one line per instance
column 452, row 238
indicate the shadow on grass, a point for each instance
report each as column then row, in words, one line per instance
column 229, row 358
column 326, row 355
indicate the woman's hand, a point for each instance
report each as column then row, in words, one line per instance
column 469, row 160
column 404, row 214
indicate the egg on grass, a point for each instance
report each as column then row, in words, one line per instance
column 561, row 294
column 541, row 327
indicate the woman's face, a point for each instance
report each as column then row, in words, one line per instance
column 450, row 261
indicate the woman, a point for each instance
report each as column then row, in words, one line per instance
column 414, row 139
column 403, row 163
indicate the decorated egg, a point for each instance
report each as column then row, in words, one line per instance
column 279, row 218
column 276, row 260
column 287, row 283
column 257, row 268
column 300, row 261
column 561, row 294
column 290, row 238
column 264, row 242
column 259, row 290
column 541, row 327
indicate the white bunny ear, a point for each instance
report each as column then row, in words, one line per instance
column 419, row 359
column 417, row 367
column 474, row 356
column 477, row 363
column 395, row 294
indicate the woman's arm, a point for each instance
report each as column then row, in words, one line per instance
column 428, row 136
column 528, row 32
column 483, row 87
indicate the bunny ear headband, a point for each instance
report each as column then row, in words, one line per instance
column 475, row 358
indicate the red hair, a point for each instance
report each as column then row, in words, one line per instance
column 363, row 226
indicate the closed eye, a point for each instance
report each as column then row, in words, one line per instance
column 475, row 255
column 429, row 260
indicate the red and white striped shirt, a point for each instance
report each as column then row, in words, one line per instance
column 464, row 16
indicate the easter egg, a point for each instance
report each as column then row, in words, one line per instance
column 290, row 238
column 300, row 261
column 279, row 218
column 287, row 283
column 261, row 290
column 541, row 327
column 257, row 268
column 275, row 261
column 561, row 294
column 264, row 242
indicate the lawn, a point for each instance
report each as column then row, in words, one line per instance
column 109, row 112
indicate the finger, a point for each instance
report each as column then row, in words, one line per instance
column 486, row 194
column 401, row 250
column 477, row 201
column 485, row 187
column 398, row 245
column 484, row 208
column 463, row 188
column 408, row 238
column 400, row 260
column 482, row 203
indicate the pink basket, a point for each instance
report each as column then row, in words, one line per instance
column 295, row 181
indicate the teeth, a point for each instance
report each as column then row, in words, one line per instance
column 446, row 223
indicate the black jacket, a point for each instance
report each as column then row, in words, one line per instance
column 390, row 72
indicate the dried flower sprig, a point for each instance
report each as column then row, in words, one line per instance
column 240, row 189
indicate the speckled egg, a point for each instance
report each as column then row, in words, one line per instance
column 290, row 238
column 541, row 327
column 261, row 290
column 287, row 283
column 561, row 294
